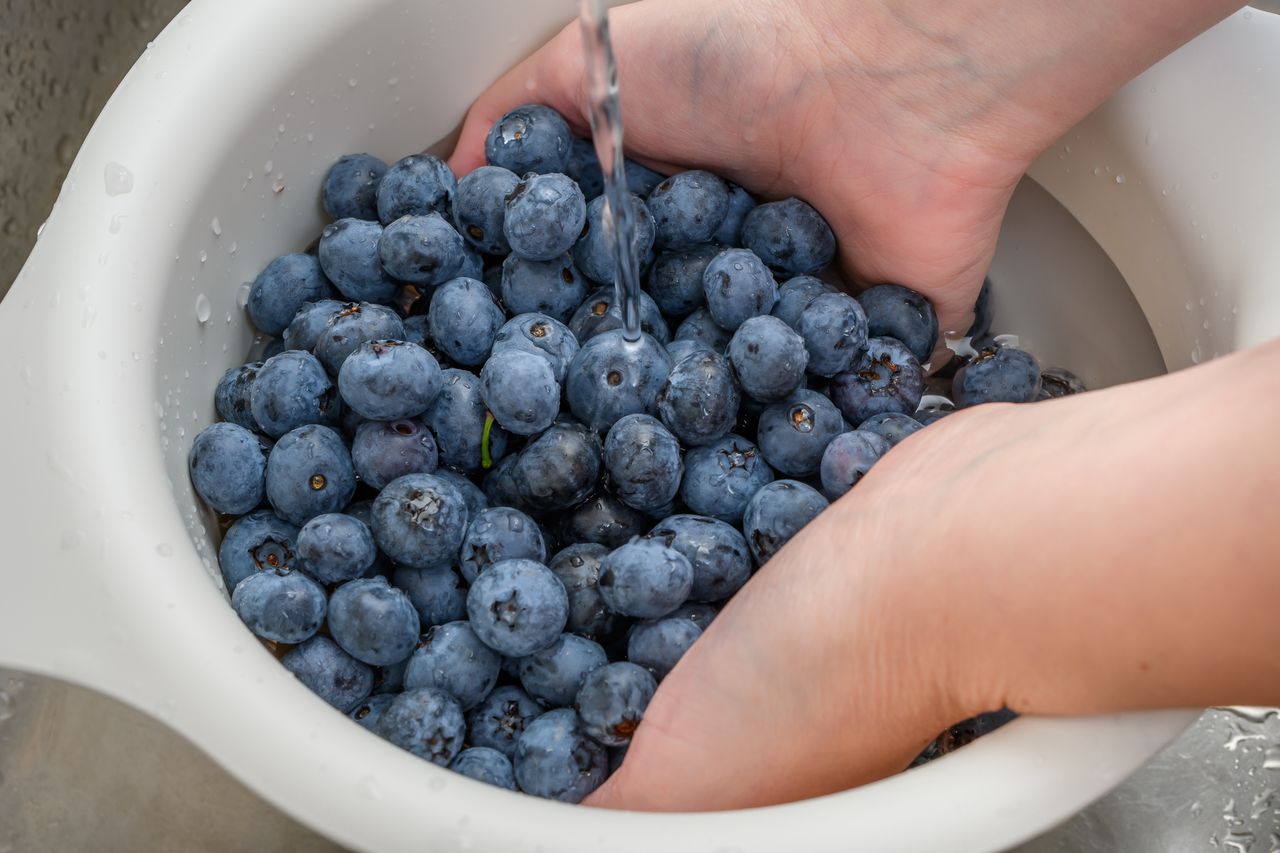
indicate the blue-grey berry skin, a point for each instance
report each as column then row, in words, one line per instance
column 355, row 324
column 464, row 320
column 894, row 311
column 472, row 494
column 233, row 397
column 349, row 257
column 383, row 451
column 584, row 167
column 457, row 420
column 778, row 512
column 611, row 378
column 794, row 434
column 389, row 679
column 500, row 484
column 602, row 519
column 283, row 606
column 675, row 282
column 997, row 375
column 438, row 594
column 982, row 313
column 452, row 658
column 287, row 283
column 498, row 721
column 373, row 621
column 419, row 521
column 701, row 615
column 680, row 350
column 1058, row 382
column 542, row 336
column 740, row 204
column 738, row 286
column 847, row 460
column 497, row 534
column 517, row 607
column 290, row 390
column 834, row 331
column 303, row 331
column 717, row 552
column 688, row 208
column 886, row 379
column 485, row 765
column 416, row 186
column 274, row 347
column 389, row 380
column 227, row 468
column 330, row 673
column 530, row 138
column 644, row 462
column 613, row 700
column 335, row 548
column 790, row 236
column 521, row 391
column 545, row 214
column 257, row 542
column 555, row 287
column 426, row 722
column 594, row 251
column 719, row 478
column 309, row 473
column 641, row 180
column 578, row 568
column 893, row 427
column 659, row 644
column 555, row 674
column 645, row 579
column 480, row 206
column 699, row 326
column 768, row 357
column 556, row 760
column 416, row 331
column 350, row 187
column 600, row 313
column 368, row 712
column 795, row 294
column 472, row 264
column 423, row 250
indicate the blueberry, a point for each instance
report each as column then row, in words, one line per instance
column 501, row 718
column 553, row 287
column 304, row 330
column 227, row 468
column 472, row 264
column 554, row 675
column 330, row 673
column 720, row 478
column 738, row 286
column 641, row 180
column 349, row 257
column 368, row 712
column 834, row 331
column 450, row 657
column 612, row 702
column 740, row 204
column 292, row 390
column 545, row 215
column 717, row 552
column 426, row 722
column 419, row 521
column 485, row 765
column 699, row 326
column 335, row 548
column 309, row 473
column 886, row 379
column 602, row 520
column 351, row 187
column 594, row 250
column 471, row 493
column 645, row 579
column 658, row 645
column 288, row 283
column 643, row 461
column 423, row 250
column 542, row 336
column 768, row 357
column 530, row 138
column 680, row 350
column 789, row 235
column 259, row 541
column 893, row 427
column 521, row 391
column 383, row 451
column 847, row 460
column 701, row 615
column 373, row 621
column 346, row 330
column 776, row 513
column 929, row 416
column 1054, row 382
column 497, row 534
column 894, row 311
column 389, row 380
column 458, row 417
column 793, row 434
column 437, row 593
column 611, row 377
column 675, row 283
column 232, row 397
column 997, row 375
column 578, row 568
column 281, row 605
column 598, row 314
column 417, row 332
column 517, row 607
column 982, row 313
column 688, row 208
column 417, row 185
column 584, row 167
column 500, row 484
column 795, row 295
column 464, row 320
column 555, row 759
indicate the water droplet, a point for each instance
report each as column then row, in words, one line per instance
column 216, row 227
column 1097, row 171
column 203, row 309
column 280, row 128
column 118, row 179
column 1190, row 304
column 1271, row 758
column 116, row 222
column 353, row 82
column 233, row 248
column 6, row 706
column 1120, row 179
column 164, row 549
column 204, row 256
column 242, row 295
column 393, row 81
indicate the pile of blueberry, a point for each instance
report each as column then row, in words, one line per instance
column 466, row 511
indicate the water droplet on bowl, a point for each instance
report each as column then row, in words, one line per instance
column 203, row 309
column 216, row 227
column 118, row 179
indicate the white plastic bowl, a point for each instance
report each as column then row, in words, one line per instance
column 206, row 164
